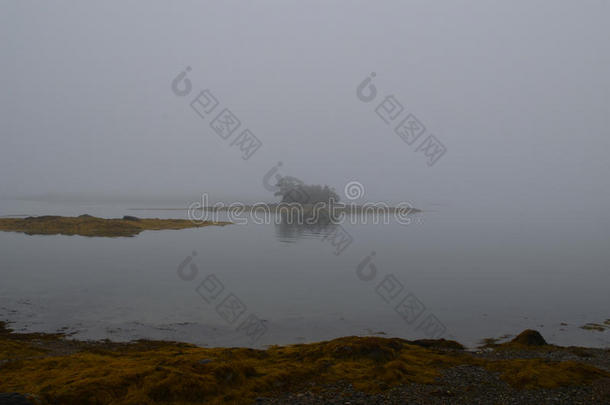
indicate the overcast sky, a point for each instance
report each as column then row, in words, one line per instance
column 517, row 91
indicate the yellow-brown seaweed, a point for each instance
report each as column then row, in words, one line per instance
column 57, row 370
column 87, row 225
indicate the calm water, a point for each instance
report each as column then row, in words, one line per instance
column 478, row 275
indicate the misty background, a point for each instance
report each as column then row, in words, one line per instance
column 518, row 92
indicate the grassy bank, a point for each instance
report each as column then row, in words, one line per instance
column 54, row 369
column 86, row 225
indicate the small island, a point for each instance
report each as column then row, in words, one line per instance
column 87, row 225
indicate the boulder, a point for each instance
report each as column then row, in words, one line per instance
column 529, row 337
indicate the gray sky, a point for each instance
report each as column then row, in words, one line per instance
column 517, row 91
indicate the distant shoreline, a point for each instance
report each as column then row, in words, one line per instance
column 87, row 225
column 349, row 209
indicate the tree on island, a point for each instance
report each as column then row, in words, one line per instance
column 293, row 190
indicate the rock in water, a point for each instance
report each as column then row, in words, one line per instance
column 130, row 218
column 13, row 399
column 529, row 337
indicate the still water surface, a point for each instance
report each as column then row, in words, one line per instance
column 479, row 276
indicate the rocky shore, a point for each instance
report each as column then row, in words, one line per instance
column 53, row 369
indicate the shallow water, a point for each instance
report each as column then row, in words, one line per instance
column 465, row 275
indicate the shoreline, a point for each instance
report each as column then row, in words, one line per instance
column 87, row 225
column 347, row 208
column 55, row 369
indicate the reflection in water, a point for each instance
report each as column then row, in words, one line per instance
column 480, row 275
column 291, row 227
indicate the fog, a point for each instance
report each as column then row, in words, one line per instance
column 518, row 93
